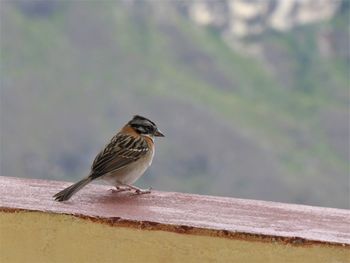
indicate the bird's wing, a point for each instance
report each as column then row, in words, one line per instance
column 122, row 150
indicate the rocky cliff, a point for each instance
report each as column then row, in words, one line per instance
column 242, row 18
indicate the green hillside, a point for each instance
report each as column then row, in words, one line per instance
column 74, row 72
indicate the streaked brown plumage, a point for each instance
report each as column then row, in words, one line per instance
column 124, row 159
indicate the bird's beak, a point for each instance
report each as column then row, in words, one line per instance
column 158, row 133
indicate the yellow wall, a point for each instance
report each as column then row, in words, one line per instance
column 43, row 237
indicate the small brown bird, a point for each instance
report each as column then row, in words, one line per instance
column 124, row 159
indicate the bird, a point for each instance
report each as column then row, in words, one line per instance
column 123, row 160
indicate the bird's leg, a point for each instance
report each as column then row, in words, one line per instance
column 139, row 191
column 120, row 189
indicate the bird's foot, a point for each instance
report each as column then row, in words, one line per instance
column 139, row 191
column 119, row 189
column 143, row 191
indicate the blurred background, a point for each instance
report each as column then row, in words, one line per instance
column 253, row 96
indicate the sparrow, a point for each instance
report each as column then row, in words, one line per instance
column 123, row 160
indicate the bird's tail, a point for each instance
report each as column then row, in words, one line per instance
column 68, row 192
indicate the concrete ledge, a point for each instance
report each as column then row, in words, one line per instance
column 99, row 226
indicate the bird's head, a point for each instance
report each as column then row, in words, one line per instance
column 145, row 126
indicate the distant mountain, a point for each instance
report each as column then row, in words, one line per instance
column 263, row 116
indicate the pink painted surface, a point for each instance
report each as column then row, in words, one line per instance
column 251, row 217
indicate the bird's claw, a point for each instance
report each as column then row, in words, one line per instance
column 119, row 189
column 143, row 191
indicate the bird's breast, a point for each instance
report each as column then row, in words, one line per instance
column 132, row 172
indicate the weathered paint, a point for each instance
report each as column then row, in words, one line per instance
column 97, row 225
column 47, row 237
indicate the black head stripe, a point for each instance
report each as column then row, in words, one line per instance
column 137, row 118
column 140, row 128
